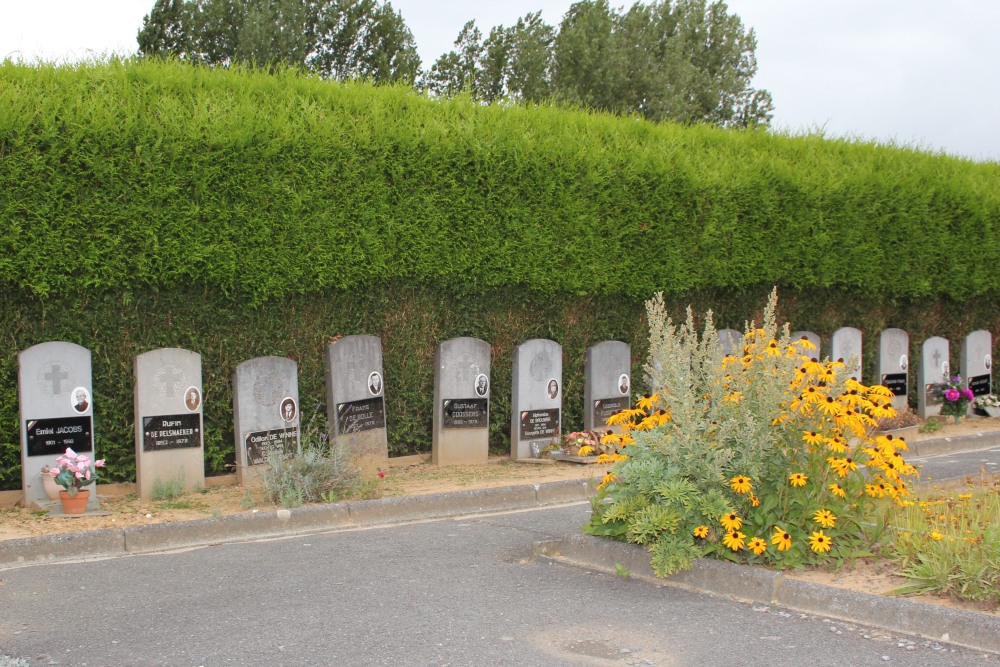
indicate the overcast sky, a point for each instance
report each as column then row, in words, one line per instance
column 916, row 72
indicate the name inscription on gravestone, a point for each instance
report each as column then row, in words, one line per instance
column 47, row 437
column 539, row 423
column 171, row 432
column 465, row 413
column 260, row 444
column 895, row 382
column 358, row 416
column 980, row 385
column 605, row 407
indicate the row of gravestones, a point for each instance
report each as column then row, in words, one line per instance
column 893, row 369
column 56, row 406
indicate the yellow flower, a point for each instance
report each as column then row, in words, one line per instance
column 935, row 535
column 842, row 466
column 741, row 484
column 797, row 479
column 757, row 545
column 964, row 496
column 819, row 542
column 608, row 479
column 731, row 521
column 701, row 531
column 837, row 490
column 734, row 540
column 825, row 518
column 782, row 539
column 754, row 500
column 585, row 450
column 812, row 437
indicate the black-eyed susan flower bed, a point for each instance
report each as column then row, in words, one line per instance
column 770, row 456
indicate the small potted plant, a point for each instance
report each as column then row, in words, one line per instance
column 583, row 443
column 73, row 472
column 989, row 404
column 955, row 398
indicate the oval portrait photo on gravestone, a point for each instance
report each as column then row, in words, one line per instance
column 192, row 398
column 482, row 384
column 904, row 363
column 288, row 409
column 80, row 400
column 623, row 384
column 988, row 361
column 375, row 383
column 553, row 388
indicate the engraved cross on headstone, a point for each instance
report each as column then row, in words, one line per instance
column 56, row 376
column 936, row 357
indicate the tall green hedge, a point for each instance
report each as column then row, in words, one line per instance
column 236, row 214
column 162, row 175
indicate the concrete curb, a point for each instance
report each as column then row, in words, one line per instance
column 754, row 584
column 282, row 523
column 962, row 443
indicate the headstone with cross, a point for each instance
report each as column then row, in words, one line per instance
column 55, row 393
column 461, row 425
column 607, row 383
column 355, row 399
column 265, row 414
column 933, row 369
column 536, row 398
column 845, row 346
column 894, row 365
column 976, row 363
column 169, row 440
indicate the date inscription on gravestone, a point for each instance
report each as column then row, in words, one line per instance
column 358, row 416
column 605, row 407
column 260, row 444
column 980, row 385
column 48, row 437
column 465, row 413
column 539, row 423
column 895, row 382
column 171, row 432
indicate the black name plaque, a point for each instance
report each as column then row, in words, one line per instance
column 540, row 424
column 260, row 444
column 465, row 413
column 358, row 416
column 48, row 437
column 171, row 432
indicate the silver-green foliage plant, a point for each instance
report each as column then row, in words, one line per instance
column 675, row 477
column 320, row 471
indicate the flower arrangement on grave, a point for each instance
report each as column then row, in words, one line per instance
column 988, row 401
column 765, row 456
column 955, row 398
column 74, row 471
column 584, row 443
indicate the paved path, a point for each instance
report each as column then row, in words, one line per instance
column 448, row 592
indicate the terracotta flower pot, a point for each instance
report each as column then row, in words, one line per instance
column 74, row 504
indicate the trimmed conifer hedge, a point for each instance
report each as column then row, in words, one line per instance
column 147, row 204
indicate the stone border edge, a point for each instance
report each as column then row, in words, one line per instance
column 246, row 526
column 758, row 585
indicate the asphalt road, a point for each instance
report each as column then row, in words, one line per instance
column 449, row 592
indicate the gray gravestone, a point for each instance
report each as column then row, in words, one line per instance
column 355, row 399
column 461, row 402
column 894, row 365
column 536, row 397
column 265, row 413
column 730, row 342
column 169, row 443
column 976, row 363
column 933, row 369
column 846, row 344
column 56, row 399
column 607, row 383
column 812, row 338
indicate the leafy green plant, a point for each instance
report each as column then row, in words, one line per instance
column 931, row 426
column 763, row 456
column 169, row 489
column 949, row 544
